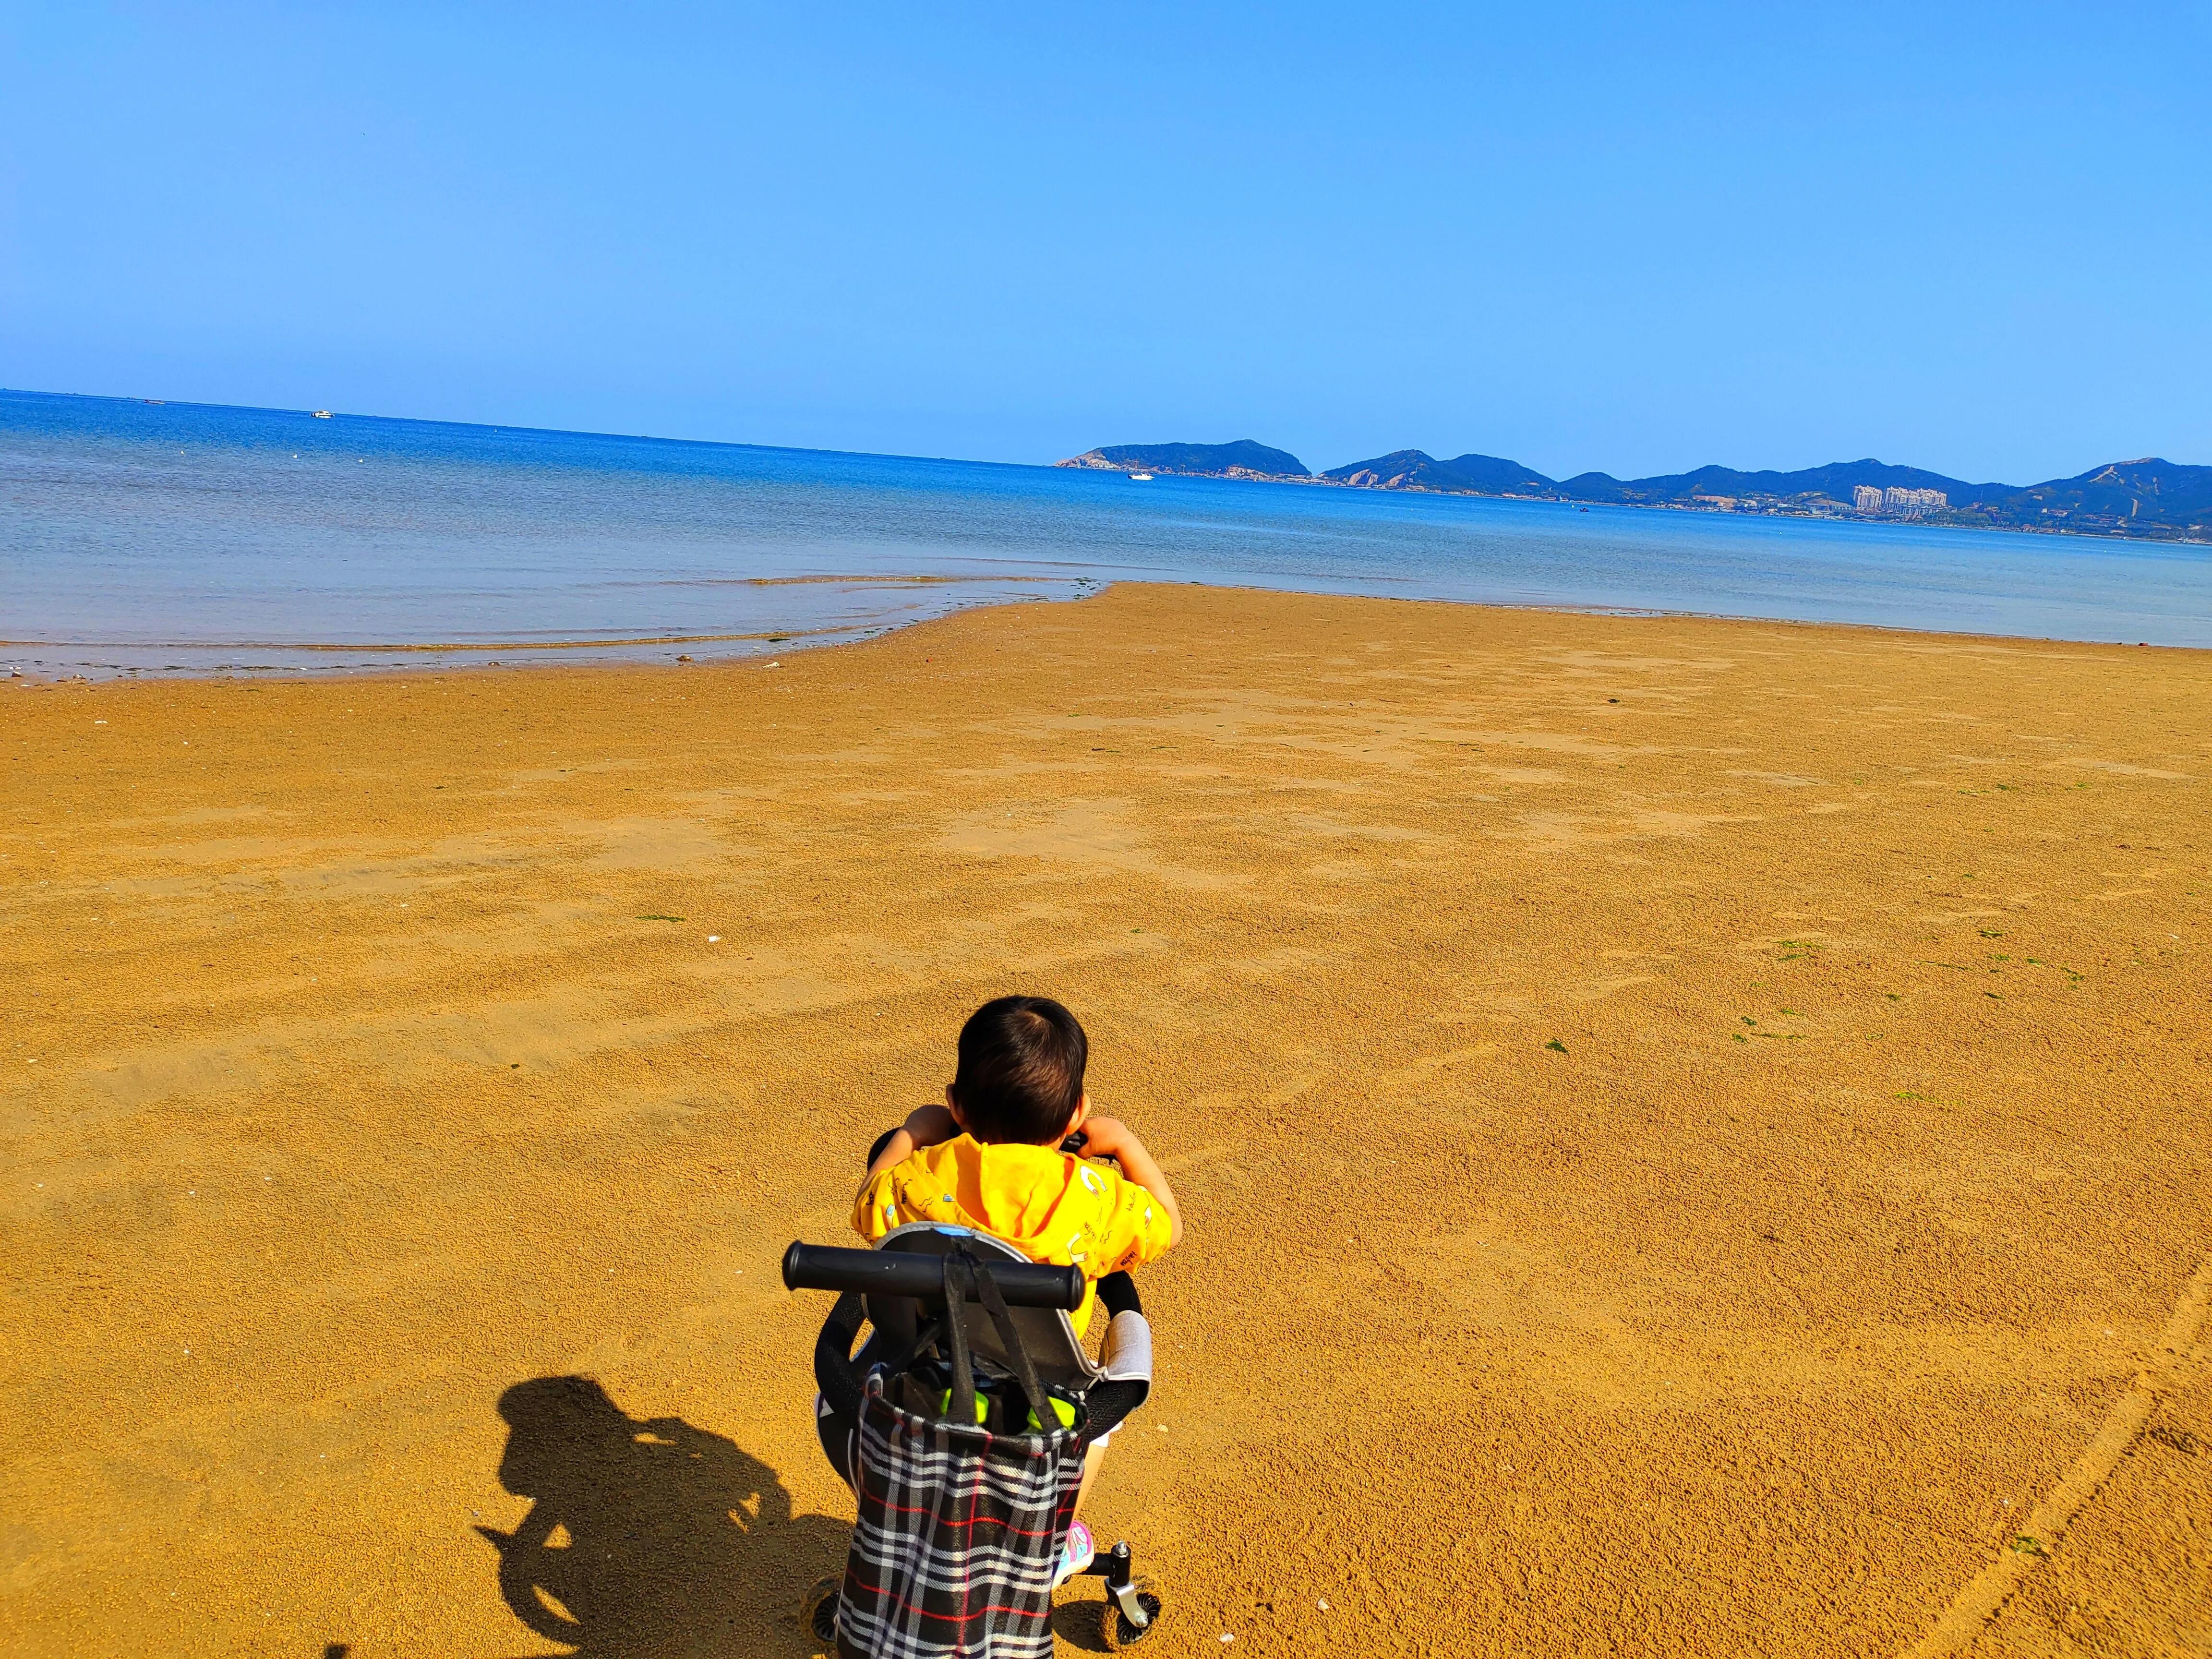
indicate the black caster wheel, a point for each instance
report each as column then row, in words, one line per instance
column 1114, row 1626
column 817, row 1613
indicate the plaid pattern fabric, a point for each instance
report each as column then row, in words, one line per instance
column 960, row 1533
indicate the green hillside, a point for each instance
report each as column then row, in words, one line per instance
column 1241, row 459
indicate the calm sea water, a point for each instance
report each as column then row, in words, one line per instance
column 181, row 537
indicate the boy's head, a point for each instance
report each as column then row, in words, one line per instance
column 1020, row 1077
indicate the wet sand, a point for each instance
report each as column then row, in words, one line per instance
column 1695, row 1135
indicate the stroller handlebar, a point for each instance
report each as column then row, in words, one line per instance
column 905, row 1273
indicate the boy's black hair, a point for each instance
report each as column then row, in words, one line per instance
column 1021, row 1070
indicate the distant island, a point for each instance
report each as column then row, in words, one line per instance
column 1241, row 459
column 2151, row 498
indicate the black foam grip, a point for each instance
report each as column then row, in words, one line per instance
column 912, row 1273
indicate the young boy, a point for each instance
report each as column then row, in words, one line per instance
column 990, row 1158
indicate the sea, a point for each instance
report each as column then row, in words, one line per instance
column 161, row 539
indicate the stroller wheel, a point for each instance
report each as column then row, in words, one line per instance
column 817, row 1613
column 1114, row 1626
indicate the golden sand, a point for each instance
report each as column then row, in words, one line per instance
column 1695, row 1135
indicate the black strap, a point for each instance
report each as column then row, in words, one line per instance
column 962, row 1269
column 987, row 1289
column 961, row 1406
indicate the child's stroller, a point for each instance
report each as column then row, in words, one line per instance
column 961, row 1527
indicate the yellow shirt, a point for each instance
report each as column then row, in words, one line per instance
column 1050, row 1205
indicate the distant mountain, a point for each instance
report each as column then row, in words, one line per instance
column 2148, row 497
column 1410, row 469
column 2130, row 493
column 1241, row 459
column 1835, row 480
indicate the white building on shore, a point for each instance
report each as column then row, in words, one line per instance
column 1901, row 503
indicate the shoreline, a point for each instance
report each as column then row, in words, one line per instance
column 250, row 546
column 625, row 653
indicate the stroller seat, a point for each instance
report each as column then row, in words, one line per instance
column 1125, row 1356
column 1112, row 1385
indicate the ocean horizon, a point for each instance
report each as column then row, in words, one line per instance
column 146, row 536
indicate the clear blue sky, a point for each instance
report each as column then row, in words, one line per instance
column 1634, row 238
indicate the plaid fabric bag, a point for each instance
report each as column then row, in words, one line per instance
column 960, row 1529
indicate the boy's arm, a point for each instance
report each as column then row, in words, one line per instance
column 1107, row 1137
column 924, row 1126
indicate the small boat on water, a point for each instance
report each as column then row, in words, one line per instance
column 1140, row 477
column 322, row 414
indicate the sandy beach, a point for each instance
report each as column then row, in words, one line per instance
column 1695, row 1135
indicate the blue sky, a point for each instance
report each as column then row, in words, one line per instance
column 1973, row 238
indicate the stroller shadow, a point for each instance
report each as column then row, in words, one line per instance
column 648, row 1536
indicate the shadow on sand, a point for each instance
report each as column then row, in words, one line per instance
column 649, row 1537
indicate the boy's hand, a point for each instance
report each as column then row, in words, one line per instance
column 928, row 1125
column 925, row 1125
column 1109, row 1137
column 1102, row 1136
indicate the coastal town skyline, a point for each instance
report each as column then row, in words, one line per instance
column 2108, row 499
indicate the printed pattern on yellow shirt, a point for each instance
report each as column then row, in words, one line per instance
column 1050, row 1205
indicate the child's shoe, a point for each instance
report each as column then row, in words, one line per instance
column 1079, row 1553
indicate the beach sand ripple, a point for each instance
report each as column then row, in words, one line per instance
column 1695, row 1133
